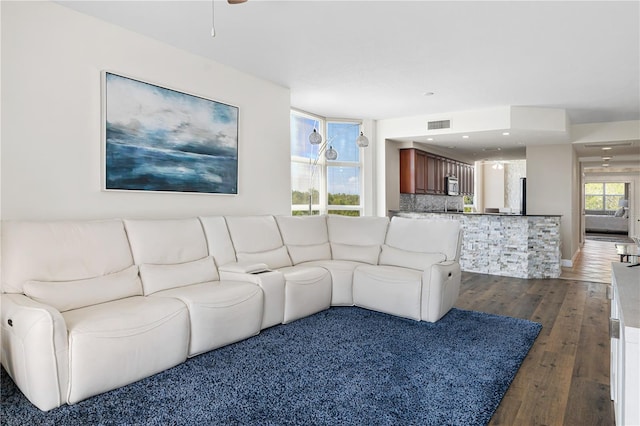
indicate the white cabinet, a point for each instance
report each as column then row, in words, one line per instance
column 625, row 343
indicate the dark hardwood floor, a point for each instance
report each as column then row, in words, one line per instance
column 565, row 378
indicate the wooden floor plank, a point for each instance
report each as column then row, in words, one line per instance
column 565, row 378
column 548, row 391
column 599, row 412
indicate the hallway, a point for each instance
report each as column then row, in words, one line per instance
column 593, row 263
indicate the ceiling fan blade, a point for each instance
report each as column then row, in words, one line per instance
column 236, row 1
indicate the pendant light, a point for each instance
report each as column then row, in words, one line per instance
column 331, row 154
column 362, row 141
column 315, row 138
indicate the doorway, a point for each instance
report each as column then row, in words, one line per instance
column 602, row 193
column 606, row 211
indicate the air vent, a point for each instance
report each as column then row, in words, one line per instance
column 436, row 125
column 606, row 145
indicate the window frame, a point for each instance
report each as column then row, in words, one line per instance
column 603, row 195
column 323, row 206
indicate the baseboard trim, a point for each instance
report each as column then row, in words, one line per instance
column 568, row 263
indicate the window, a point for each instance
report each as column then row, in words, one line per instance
column 335, row 186
column 604, row 197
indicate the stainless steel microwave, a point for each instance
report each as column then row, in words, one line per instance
column 452, row 185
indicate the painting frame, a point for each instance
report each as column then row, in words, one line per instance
column 163, row 140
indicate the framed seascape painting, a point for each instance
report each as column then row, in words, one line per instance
column 158, row 139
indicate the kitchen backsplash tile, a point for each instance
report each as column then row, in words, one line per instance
column 424, row 202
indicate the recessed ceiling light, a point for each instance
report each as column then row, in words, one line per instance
column 429, row 139
column 505, row 133
column 428, row 94
column 606, row 158
column 605, row 164
column 465, row 136
column 606, row 148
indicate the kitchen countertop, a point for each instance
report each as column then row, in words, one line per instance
column 626, row 282
column 503, row 244
column 395, row 212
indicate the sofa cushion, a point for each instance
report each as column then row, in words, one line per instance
column 308, row 253
column 425, row 236
column 341, row 279
column 163, row 277
column 307, row 291
column 116, row 343
column 275, row 259
column 409, row 259
column 68, row 295
column 389, row 289
column 220, row 312
column 357, row 253
column 306, row 237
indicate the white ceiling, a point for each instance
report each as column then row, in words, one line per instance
column 376, row 59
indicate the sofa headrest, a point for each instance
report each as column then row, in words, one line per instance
column 306, row 237
column 303, row 230
column 425, row 236
column 166, row 241
column 61, row 251
column 218, row 239
column 253, row 234
column 257, row 239
column 359, row 231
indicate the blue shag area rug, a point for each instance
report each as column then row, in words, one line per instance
column 343, row 366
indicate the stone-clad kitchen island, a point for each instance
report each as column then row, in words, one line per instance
column 504, row 244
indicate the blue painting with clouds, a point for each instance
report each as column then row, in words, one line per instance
column 159, row 139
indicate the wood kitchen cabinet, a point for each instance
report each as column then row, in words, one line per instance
column 466, row 179
column 424, row 173
column 432, row 172
column 412, row 172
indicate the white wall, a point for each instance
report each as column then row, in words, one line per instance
column 610, row 132
column 52, row 58
column 492, row 187
column 392, row 168
column 497, row 188
column 551, row 189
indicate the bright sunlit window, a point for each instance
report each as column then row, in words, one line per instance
column 319, row 185
column 603, row 196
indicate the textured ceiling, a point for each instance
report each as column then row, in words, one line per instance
column 376, row 59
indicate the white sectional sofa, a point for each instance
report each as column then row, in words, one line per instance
column 89, row 306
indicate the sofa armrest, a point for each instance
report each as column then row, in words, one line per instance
column 35, row 350
column 441, row 288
